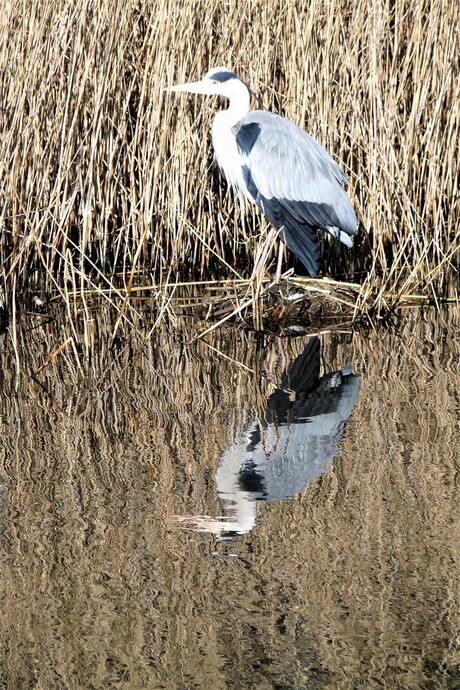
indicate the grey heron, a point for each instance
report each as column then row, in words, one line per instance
column 278, row 167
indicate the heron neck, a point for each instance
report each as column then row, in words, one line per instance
column 237, row 109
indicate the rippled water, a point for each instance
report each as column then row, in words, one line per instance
column 284, row 516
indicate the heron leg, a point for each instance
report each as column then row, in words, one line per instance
column 262, row 259
column 280, row 261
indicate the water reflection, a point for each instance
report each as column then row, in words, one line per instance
column 354, row 584
column 293, row 441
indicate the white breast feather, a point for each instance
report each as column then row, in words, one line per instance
column 227, row 154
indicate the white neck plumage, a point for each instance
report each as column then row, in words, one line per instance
column 238, row 96
column 223, row 136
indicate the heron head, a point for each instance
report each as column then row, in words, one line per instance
column 219, row 81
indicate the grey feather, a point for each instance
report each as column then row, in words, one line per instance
column 246, row 137
column 295, row 182
column 224, row 75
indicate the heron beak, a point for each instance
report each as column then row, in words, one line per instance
column 202, row 87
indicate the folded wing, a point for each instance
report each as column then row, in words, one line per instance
column 295, row 182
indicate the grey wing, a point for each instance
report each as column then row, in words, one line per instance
column 295, row 182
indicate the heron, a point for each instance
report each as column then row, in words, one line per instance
column 278, row 167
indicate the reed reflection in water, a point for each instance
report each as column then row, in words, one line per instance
column 294, row 439
column 353, row 582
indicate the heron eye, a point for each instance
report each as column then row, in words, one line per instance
column 214, row 81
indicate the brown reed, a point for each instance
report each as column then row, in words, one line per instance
column 102, row 173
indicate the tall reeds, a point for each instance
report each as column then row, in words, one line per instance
column 104, row 174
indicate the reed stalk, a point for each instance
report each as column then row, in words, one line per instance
column 103, row 174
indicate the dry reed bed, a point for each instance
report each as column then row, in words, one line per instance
column 101, row 172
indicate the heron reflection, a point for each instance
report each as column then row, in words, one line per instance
column 294, row 441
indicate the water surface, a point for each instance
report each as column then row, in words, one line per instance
column 281, row 517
